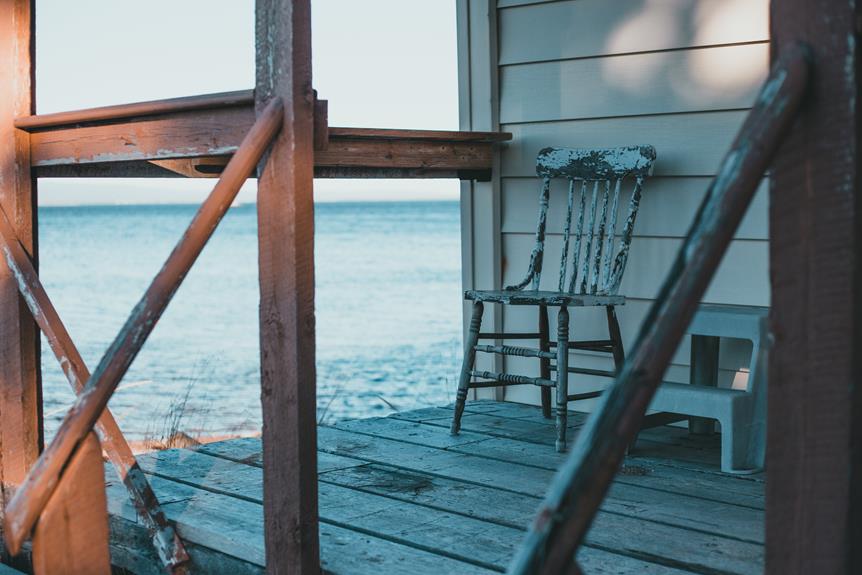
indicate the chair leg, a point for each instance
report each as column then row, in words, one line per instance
column 467, row 365
column 562, row 377
column 616, row 338
column 618, row 352
column 545, row 364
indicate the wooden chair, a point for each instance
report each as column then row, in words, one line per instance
column 591, row 278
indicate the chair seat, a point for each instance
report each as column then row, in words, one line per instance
column 550, row 298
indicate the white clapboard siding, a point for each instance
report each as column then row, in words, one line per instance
column 539, row 31
column 516, row 3
column 634, row 84
column 679, row 75
column 686, row 144
column 655, row 217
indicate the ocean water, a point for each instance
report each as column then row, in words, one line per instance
column 388, row 312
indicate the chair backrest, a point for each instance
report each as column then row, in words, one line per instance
column 596, row 268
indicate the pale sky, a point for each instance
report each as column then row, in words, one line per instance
column 380, row 63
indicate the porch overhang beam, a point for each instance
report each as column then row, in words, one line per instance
column 195, row 137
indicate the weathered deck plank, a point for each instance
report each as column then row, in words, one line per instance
column 234, row 527
column 518, row 421
column 640, row 521
column 644, row 472
column 446, row 528
column 468, row 540
column 400, row 493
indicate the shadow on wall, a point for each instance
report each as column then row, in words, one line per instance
column 698, row 76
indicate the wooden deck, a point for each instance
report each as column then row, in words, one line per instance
column 399, row 494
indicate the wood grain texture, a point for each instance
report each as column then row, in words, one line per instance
column 675, row 462
column 20, row 390
column 130, row 549
column 407, row 153
column 72, row 533
column 636, row 494
column 136, row 110
column 286, row 268
column 194, row 142
column 814, row 517
column 227, row 536
column 468, row 540
column 169, row 546
column 32, row 495
column 401, row 493
column 321, row 123
column 216, row 132
column 464, row 533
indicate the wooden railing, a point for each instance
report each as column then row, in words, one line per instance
column 168, row 545
column 195, row 136
column 216, row 135
column 580, row 486
column 51, row 471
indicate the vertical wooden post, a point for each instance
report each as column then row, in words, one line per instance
column 286, row 259
column 20, row 391
column 478, row 104
column 72, row 533
column 814, row 458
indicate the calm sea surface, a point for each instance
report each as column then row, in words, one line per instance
column 388, row 309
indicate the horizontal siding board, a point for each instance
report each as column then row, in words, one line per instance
column 542, row 31
column 686, row 144
column 516, row 3
column 742, row 278
column 637, row 84
column 667, row 209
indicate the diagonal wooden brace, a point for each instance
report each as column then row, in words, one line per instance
column 581, row 483
column 33, row 494
column 165, row 539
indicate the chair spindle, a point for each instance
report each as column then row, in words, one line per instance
column 612, row 230
column 579, row 230
column 600, row 241
column 590, row 234
column 564, row 259
column 534, row 271
column 626, row 240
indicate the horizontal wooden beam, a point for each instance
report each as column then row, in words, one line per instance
column 137, row 110
column 185, row 134
column 194, row 137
